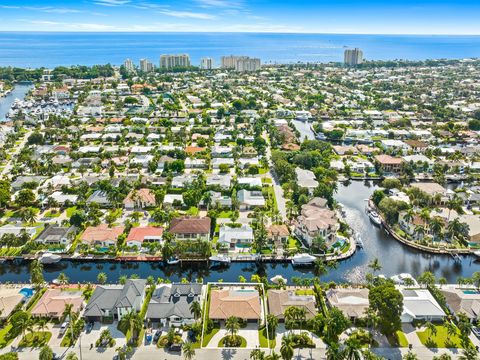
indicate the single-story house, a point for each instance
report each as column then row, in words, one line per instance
column 9, row 300
column 56, row 235
column 232, row 237
column 144, row 234
column 466, row 301
column 250, row 199
column 139, row 199
column 53, row 302
column 243, row 303
column 419, row 304
column 102, row 235
column 280, row 300
column 352, row 301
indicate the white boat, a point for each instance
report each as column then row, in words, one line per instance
column 173, row 261
column 400, row 279
column 303, row 259
column 358, row 240
column 220, row 259
column 49, row 258
column 278, row 279
column 375, row 218
column 477, row 253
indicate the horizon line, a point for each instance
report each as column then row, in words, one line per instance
column 230, row 32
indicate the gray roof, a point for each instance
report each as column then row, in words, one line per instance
column 174, row 300
column 111, row 297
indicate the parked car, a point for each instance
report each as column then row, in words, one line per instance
column 89, row 327
column 157, row 335
column 175, row 348
column 64, row 327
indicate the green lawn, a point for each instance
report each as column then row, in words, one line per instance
column 242, row 345
column 263, row 340
column 71, row 210
column 208, row 336
column 36, row 339
column 266, row 180
column 304, row 292
column 225, row 214
column 402, row 339
column 51, row 214
column 6, row 335
column 441, row 340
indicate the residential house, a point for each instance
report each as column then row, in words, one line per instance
column 139, row 199
column 191, row 228
column 250, row 199
column 306, row 179
column 10, row 298
column 463, row 301
column 101, row 235
column 141, row 235
column 389, row 164
column 53, row 302
column 243, row 303
column 278, row 234
column 280, row 300
column 419, row 304
column 170, row 304
column 316, row 219
column 57, row 235
column 235, row 237
column 114, row 301
column 352, row 301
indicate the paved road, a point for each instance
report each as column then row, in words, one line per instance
column 18, row 148
column 281, row 203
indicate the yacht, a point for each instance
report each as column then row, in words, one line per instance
column 173, row 261
column 220, row 259
column 400, row 279
column 303, row 259
column 358, row 240
column 49, row 258
column 477, row 253
column 375, row 218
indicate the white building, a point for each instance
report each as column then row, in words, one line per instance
column 128, row 64
column 174, row 61
column 353, row 57
column 146, row 66
column 206, row 63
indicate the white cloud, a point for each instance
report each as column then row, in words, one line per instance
column 48, row 9
column 111, row 2
column 220, row 3
column 73, row 25
column 187, row 14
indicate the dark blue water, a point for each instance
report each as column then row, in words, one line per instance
column 53, row 49
column 18, row 92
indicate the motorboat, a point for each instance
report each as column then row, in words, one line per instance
column 277, row 279
column 303, row 259
column 220, row 260
column 173, row 261
column 49, row 258
column 401, row 279
column 375, row 218
column 477, row 253
column 358, row 240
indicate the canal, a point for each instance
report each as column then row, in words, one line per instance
column 394, row 257
column 6, row 102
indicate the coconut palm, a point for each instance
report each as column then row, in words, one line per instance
column 102, row 278
column 233, row 325
column 62, row 279
column 436, row 226
column 273, row 356
column 469, row 353
column 272, row 324
column 133, row 323
column 451, row 329
column 196, row 309
column 352, row 349
column 286, row 350
column 188, row 351
column 432, row 330
column 36, row 273
column 257, row 354
column 334, row 352
column 375, row 265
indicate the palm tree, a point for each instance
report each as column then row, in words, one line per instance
column 286, row 350
column 42, row 324
column 196, row 309
column 454, row 203
column 375, row 265
column 71, row 356
column 442, row 281
column 272, row 324
column 133, row 322
column 436, row 226
column 410, row 356
column 425, row 216
column 320, row 268
column 188, row 351
column 419, row 231
column 122, row 279
column 102, row 278
column 432, row 330
column 62, row 279
column 257, row 354
column 470, row 353
column 273, row 356
column 451, row 329
column 352, row 349
column 334, row 352
column 233, row 325
column 36, row 273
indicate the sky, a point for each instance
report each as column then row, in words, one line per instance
column 460, row 17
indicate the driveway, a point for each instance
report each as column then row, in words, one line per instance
column 56, row 338
column 250, row 333
column 281, row 330
column 94, row 335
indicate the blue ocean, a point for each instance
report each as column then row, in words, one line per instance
column 54, row 49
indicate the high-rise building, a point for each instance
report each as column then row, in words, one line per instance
column 241, row 63
column 206, row 63
column 173, row 61
column 146, row 66
column 353, row 57
column 128, row 64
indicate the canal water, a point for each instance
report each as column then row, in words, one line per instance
column 394, row 257
column 6, row 102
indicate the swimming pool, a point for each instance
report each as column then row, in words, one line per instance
column 26, row 292
column 471, row 292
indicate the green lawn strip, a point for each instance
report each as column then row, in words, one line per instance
column 70, row 211
column 401, row 339
column 263, row 340
column 6, row 335
column 225, row 214
column 242, row 345
column 35, row 339
column 441, row 340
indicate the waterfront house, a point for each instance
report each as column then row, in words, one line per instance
column 53, row 302
column 235, row 237
column 316, row 220
column 389, row 164
column 170, row 304
column 139, row 199
column 222, row 181
column 141, row 235
column 352, row 301
column 243, row 303
column 10, row 298
column 18, row 230
column 101, row 235
column 191, row 228
column 280, row 300
column 99, row 197
column 278, row 234
column 250, row 199
column 463, row 301
column 419, row 304
column 56, row 235
column 111, row 302
column 306, row 179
